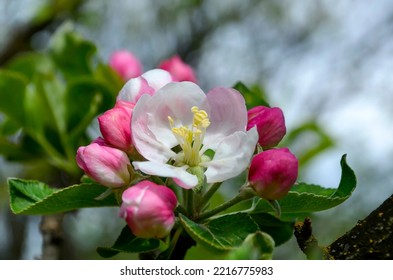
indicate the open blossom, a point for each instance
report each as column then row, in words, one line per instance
column 179, row 70
column 273, row 173
column 181, row 128
column 125, row 64
column 148, row 209
column 148, row 83
column 270, row 124
column 106, row 165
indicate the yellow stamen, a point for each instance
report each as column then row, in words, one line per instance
column 191, row 139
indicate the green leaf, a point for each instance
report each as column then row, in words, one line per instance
column 51, row 90
column 85, row 99
column 12, row 94
column 256, row 246
column 36, row 198
column 72, row 53
column 128, row 243
column 31, row 63
column 255, row 96
column 223, row 233
column 8, row 126
column 280, row 231
column 311, row 198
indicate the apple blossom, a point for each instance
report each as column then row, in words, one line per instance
column 106, row 165
column 270, row 124
column 179, row 70
column 148, row 209
column 273, row 172
column 180, row 131
column 125, row 64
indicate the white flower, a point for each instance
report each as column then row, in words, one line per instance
column 180, row 128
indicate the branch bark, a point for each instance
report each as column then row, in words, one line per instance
column 370, row 239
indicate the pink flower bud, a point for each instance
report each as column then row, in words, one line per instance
column 179, row 70
column 273, row 173
column 148, row 209
column 106, row 165
column 125, row 64
column 115, row 126
column 270, row 124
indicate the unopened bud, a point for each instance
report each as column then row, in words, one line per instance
column 125, row 64
column 270, row 125
column 179, row 70
column 106, row 165
column 115, row 126
column 148, row 209
column 273, row 172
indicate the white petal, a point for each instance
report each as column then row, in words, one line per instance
column 174, row 100
column 232, row 156
column 228, row 114
column 181, row 176
column 157, row 78
column 145, row 141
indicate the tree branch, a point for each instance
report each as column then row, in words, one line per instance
column 370, row 239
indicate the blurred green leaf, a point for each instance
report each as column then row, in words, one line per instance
column 31, row 63
column 280, row 231
column 12, row 95
column 222, row 233
column 311, row 198
column 85, row 99
column 256, row 246
column 32, row 197
column 8, row 126
column 71, row 52
column 128, row 243
column 322, row 142
column 108, row 78
column 254, row 96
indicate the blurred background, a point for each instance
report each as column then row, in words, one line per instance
column 328, row 65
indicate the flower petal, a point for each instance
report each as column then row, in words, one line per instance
column 134, row 89
column 232, row 156
column 228, row 115
column 143, row 138
column 179, row 174
column 157, row 78
column 152, row 134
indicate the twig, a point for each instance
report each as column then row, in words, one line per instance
column 306, row 241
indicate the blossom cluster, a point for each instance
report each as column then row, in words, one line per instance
column 164, row 127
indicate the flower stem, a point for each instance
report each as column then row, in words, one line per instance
column 188, row 200
column 206, row 197
column 168, row 252
column 243, row 195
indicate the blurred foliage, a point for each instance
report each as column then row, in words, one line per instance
column 48, row 99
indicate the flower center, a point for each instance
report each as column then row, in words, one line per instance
column 191, row 139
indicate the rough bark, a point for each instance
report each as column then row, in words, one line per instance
column 370, row 239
